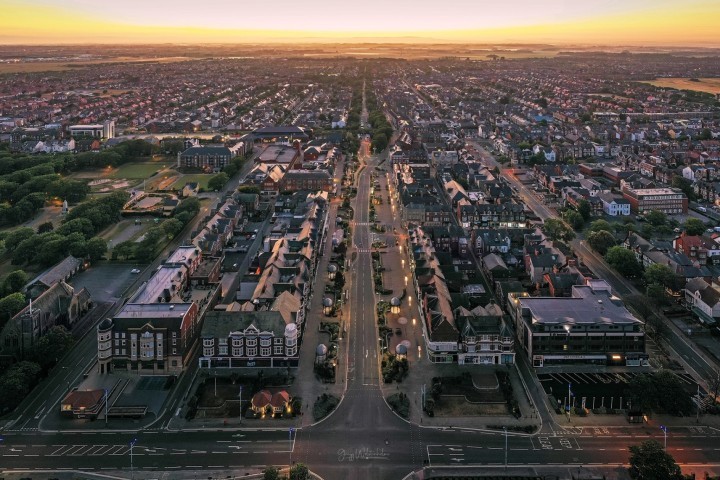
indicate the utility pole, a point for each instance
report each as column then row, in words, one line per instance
column 697, row 417
column 106, row 408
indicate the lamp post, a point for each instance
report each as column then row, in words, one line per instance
column 132, row 471
column 291, row 431
column 664, row 429
column 106, row 408
column 506, row 449
column 240, row 397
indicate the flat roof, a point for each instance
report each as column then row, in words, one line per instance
column 587, row 307
column 163, row 279
column 153, row 310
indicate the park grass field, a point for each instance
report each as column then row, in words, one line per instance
column 708, row 85
column 201, row 178
column 136, row 170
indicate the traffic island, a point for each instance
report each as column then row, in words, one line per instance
column 400, row 403
column 324, row 405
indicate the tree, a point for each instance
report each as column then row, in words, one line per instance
column 271, row 473
column 16, row 237
column 694, row 226
column 659, row 274
column 81, row 225
column 380, row 142
column 598, row 225
column 656, row 218
column 14, row 282
column 575, row 220
column 248, row 189
column 10, row 306
column 51, row 347
column 45, row 227
column 96, row 248
column 584, row 209
column 656, row 293
column 685, row 186
column 661, row 391
column 557, row 229
column 172, row 227
column 299, row 472
column 650, row 461
column 217, row 182
column 124, row 250
column 601, row 241
column 624, row 261
column 16, row 383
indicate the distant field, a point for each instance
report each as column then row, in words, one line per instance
column 33, row 67
column 709, row 85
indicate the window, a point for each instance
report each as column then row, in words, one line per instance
column 278, row 349
column 264, row 351
column 251, row 342
column 208, row 342
column 237, row 351
column 237, row 342
column 252, row 351
column 174, row 341
column 264, row 342
column 208, row 352
column 174, row 351
column 223, row 349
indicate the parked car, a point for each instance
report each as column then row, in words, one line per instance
column 135, row 270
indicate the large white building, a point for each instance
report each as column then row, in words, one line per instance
column 105, row 130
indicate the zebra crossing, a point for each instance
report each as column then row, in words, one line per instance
column 365, row 250
column 89, row 450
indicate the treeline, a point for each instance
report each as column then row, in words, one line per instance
column 381, row 129
column 75, row 237
column 27, row 181
column 156, row 237
column 19, row 379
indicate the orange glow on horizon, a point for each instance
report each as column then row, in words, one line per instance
column 693, row 23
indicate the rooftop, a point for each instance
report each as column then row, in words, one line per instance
column 584, row 307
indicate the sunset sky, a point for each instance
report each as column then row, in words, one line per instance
column 606, row 22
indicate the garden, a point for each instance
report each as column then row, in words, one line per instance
column 230, row 395
column 459, row 396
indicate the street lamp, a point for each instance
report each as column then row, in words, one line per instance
column 132, row 471
column 664, row 429
column 291, row 442
column 506, row 449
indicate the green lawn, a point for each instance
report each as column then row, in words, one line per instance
column 201, row 178
column 136, row 170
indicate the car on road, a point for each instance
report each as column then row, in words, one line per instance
column 135, row 270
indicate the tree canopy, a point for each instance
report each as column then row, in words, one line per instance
column 650, row 461
column 694, row 226
column 557, row 229
column 601, row 241
column 624, row 261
